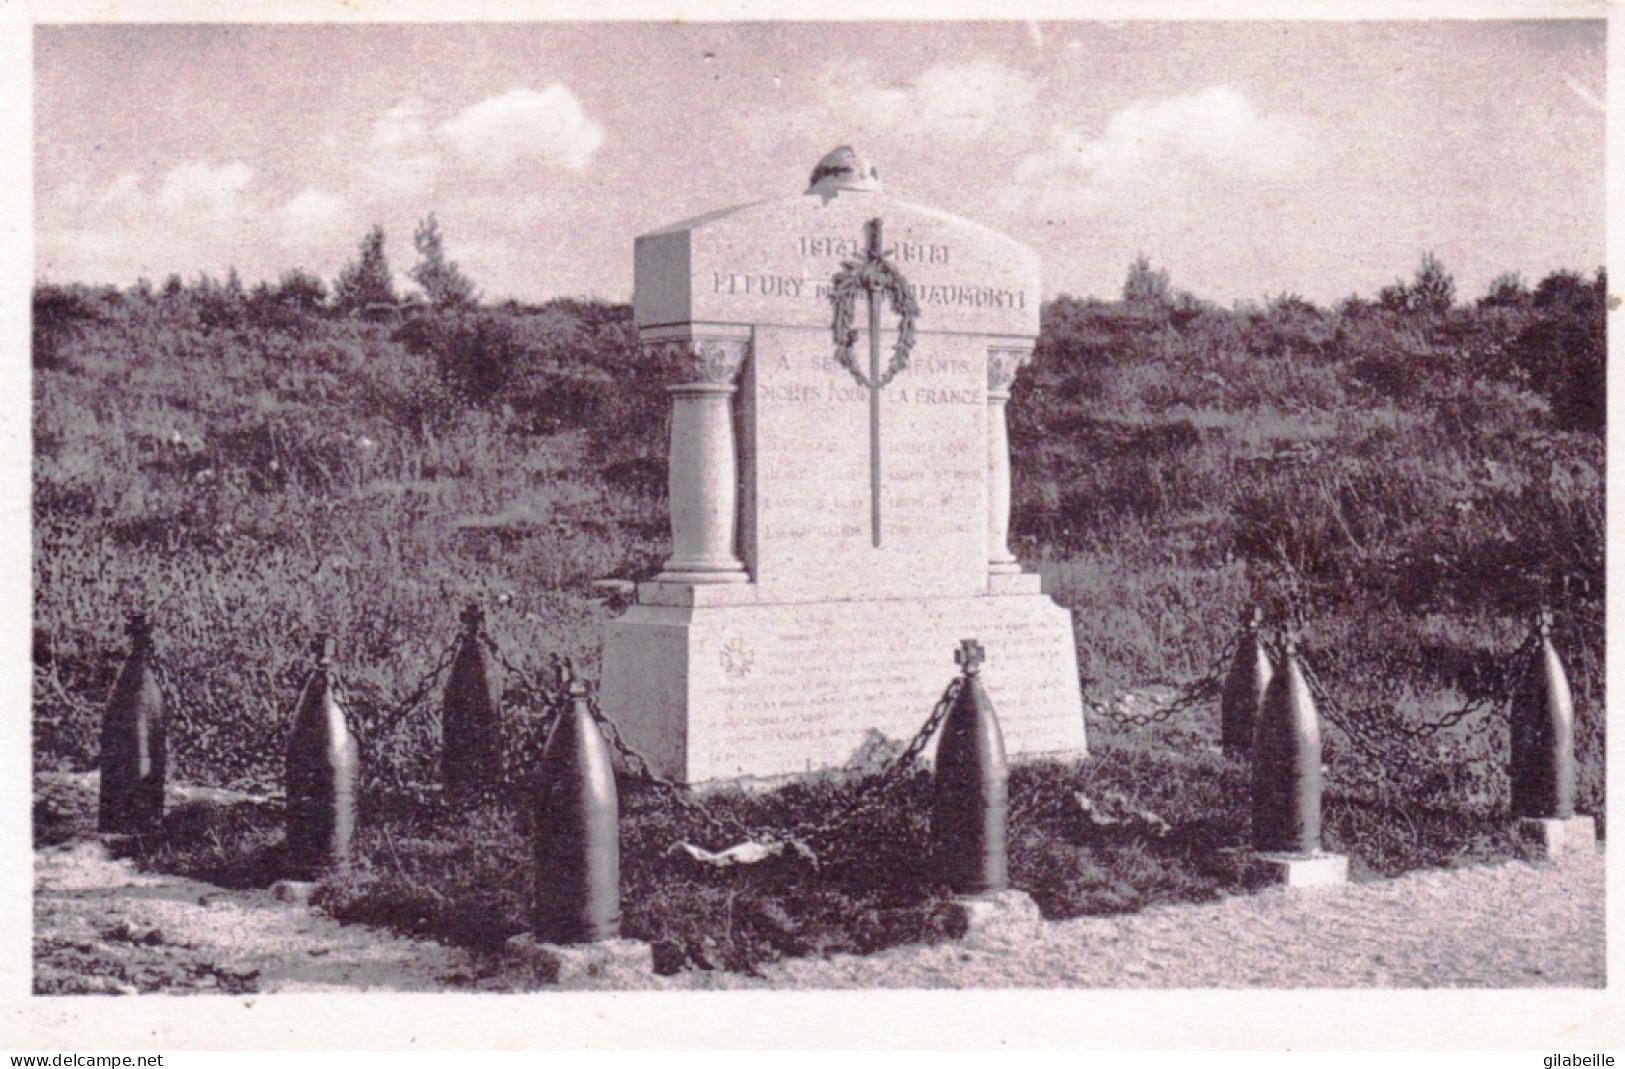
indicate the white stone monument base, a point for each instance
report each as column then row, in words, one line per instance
column 706, row 683
column 561, row 964
column 1313, row 870
column 1555, row 839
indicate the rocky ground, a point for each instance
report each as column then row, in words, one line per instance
column 102, row 927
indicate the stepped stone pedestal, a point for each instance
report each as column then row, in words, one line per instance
column 839, row 511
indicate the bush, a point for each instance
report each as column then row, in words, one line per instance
column 478, row 353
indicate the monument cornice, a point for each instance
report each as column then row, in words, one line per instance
column 712, row 359
column 1004, row 362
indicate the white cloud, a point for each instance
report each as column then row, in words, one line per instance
column 525, row 126
column 313, row 218
column 408, row 156
column 202, row 191
column 974, row 101
column 122, row 194
column 1163, row 147
column 401, row 158
column 198, row 216
column 209, row 216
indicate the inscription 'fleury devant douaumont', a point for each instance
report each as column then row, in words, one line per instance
column 836, row 531
column 747, row 284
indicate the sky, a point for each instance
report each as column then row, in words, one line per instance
column 1247, row 159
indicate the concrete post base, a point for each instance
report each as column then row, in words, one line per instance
column 998, row 915
column 1555, row 839
column 1298, row 870
column 296, row 891
column 611, row 959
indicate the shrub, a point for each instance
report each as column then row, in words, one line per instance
column 366, row 282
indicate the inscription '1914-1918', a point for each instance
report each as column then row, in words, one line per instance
column 919, row 252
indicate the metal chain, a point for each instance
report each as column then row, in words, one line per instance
column 1516, row 667
column 547, row 697
column 178, row 698
column 1204, row 689
column 522, row 741
column 639, row 768
column 874, row 796
column 869, row 797
column 400, row 710
column 916, row 746
column 204, row 717
column 1390, row 743
column 354, row 719
column 1363, row 736
column 522, row 745
column 355, row 713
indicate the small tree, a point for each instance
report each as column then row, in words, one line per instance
column 1431, row 292
column 443, row 282
column 1507, row 291
column 1146, row 289
column 1434, row 290
column 301, row 289
column 367, row 281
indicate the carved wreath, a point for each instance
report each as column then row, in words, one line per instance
column 873, row 275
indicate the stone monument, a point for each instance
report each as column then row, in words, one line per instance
column 840, row 487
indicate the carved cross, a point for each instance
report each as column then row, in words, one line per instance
column 879, row 280
column 875, row 253
column 970, row 656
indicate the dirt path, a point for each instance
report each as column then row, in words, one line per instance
column 1512, row 925
column 103, row 927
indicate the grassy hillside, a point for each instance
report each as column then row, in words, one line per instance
column 1410, row 476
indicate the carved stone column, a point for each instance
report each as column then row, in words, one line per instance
column 1002, row 365
column 703, row 469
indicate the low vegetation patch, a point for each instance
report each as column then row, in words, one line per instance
column 1153, row 817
